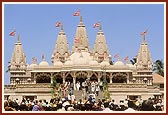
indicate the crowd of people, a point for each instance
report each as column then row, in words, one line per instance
column 65, row 100
column 87, row 87
column 86, row 104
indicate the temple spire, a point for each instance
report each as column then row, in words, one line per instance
column 100, row 49
column 18, row 56
column 144, row 59
column 61, row 50
column 81, row 38
column 143, row 36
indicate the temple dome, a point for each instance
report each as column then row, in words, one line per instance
column 58, row 63
column 94, row 63
column 119, row 63
column 32, row 65
column 68, row 63
column 130, row 65
column 43, row 63
column 80, row 58
column 104, row 63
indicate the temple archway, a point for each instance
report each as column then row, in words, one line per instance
column 81, row 77
column 93, row 78
column 43, row 78
column 58, row 78
column 119, row 78
column 107, row 77
column 69, row 78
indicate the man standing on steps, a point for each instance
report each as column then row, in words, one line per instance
column 101, row 85
column 97, row 90
column 83, row 92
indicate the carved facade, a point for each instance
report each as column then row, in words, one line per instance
column 82, row 63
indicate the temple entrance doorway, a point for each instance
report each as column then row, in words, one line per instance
column 69, row 78
column 93, row 78
column 119, row 78
column 58, row 79
column 81, row 77
column 105, row 76
column 43, row 79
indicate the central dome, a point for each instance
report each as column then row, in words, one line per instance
column 43, row 63
column 94, row 63
column 119, row 63
column 80, row 58
column 58, row 63
column 68, row 63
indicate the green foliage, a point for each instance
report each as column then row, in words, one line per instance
column 53, row 85
column 159, row 67
column 105, row 89
column 8, row 68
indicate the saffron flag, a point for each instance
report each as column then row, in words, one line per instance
column 58, row 24
column 126, row 58
column 77, row 13
column 116, row 56
column 96, row 25
column 13, row 33
column 145, row 32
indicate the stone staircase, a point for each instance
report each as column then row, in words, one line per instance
column 78, row 95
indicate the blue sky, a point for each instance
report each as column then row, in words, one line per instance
column 121, row 24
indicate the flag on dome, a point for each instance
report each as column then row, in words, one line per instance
column 13, row 33
column 77, row 13
column 145, row 32
column 116, row 56
column 126, row 58
column 96, row 25
column 58, row 24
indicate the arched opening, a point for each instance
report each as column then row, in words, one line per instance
column 107, row 77
column 119, row 78
column 93, row 78
column 81, row 77
column 58, row 79
column 69, row 78
column 43, row 79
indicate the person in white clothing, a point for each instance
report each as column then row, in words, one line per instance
column 77, row 85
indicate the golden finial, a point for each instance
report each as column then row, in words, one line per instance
column 61, row 26
column 19, row 38
column 80, row 18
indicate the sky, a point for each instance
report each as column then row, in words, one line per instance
column 121, row 24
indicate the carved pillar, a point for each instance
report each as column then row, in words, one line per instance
column 89, row 75
column 34, row 76
column 63, row 77
column 111, row 78
column 127, row 77
column 99, row 76
column 51, row 78
column 74, row 79
column 74, row 82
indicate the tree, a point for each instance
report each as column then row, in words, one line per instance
column 159, row 67
column 105, row 89
column 134, row 60
column 8, row 67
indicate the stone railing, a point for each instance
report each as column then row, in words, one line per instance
column 9, row 86
column 38, row 85
column 119, row 85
